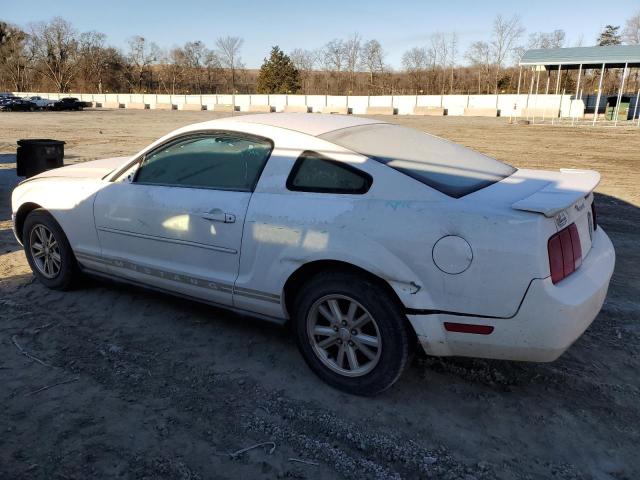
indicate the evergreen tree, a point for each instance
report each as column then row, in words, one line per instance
column 609, row 36
column 278, row 74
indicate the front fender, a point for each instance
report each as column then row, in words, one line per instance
column 69, row 201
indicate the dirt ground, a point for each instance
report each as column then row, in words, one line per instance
column 158, row 387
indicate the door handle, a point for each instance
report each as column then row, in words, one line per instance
column 218, row 215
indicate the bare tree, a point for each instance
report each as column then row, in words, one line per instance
column 631, row 33
column 172, row 69
column 213, row 69
column 142, row 54
column 228, row 50
column 506, row 32
column 333, row 59
column 305, row 61
column 631, row 36
column 55, row 48
column 553, row 39
column 479, row 55
column 372, row 60
column 334, row 55
column 94, row 57
column 195, row 54
column 352, row 48
column 439, row 50
column 453, row 53
column 415, row 62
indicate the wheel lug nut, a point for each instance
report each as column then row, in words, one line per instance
column 350, row 343
column 354, row 332
column 340, row 341
column 344, row 323
column 335, row 328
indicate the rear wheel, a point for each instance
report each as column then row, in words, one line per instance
column 351, row 332
column 48, row 251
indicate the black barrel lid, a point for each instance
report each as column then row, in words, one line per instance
column 25, row 142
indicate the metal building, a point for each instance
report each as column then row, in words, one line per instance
column 581, row 59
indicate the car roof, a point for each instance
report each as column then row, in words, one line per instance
column 314, row 124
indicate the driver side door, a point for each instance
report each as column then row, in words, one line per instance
column 177, row 225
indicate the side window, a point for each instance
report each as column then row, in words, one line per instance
column 221, row 161
column 313, row 172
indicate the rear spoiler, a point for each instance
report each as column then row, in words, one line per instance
column 561, row 194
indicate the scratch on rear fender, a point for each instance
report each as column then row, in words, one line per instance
column 410, row 287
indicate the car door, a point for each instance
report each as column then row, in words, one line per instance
column 177, row 222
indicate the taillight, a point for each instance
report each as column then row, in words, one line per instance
column 565, row 253
column 593, row 214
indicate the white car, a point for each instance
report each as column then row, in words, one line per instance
column 365, row 235
column 40, row 102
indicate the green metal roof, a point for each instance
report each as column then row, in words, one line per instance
column 614, row 56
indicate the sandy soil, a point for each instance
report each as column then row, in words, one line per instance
column 159, row 387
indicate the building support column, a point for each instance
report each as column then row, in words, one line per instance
column 597, row 108
column 558, row 79
column 530, row 91
column 535, row 102
column 617, row 110
column 515, row 105
column 546, row 92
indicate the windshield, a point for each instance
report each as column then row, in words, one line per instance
column 449, row 168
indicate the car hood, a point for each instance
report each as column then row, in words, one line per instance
column 91, row 169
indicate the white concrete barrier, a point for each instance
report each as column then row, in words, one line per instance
column 260, row 108
column 296, row 109
column 191, row 107
column 480, row 112
column 428, row 111
column 508, row 105
column 335, row 109
column 136, row 106
column 380, row 111
column 220, row 107
column 164, row 106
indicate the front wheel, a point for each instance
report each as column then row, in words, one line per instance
column 351, row 332
column 48, row 251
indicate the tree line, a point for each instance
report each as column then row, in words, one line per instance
column 54, row 56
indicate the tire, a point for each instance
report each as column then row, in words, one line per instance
column 383, row 364
column 61, row 273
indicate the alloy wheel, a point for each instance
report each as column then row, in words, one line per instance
column 45, row 251
column 344, row 335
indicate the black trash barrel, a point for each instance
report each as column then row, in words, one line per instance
column 35, row 155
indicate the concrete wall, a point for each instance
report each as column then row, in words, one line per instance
column 508, row 105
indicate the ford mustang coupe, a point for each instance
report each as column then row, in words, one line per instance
column 367, row 237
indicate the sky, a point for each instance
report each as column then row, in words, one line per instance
column 398, row 25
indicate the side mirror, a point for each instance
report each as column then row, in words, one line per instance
column 129, row 175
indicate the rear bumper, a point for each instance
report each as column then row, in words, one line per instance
column 550, row 318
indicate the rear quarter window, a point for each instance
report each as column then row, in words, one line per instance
column 314, row 172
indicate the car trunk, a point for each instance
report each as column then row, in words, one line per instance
column 564, row 197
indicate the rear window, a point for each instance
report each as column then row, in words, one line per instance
column 443, row 165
